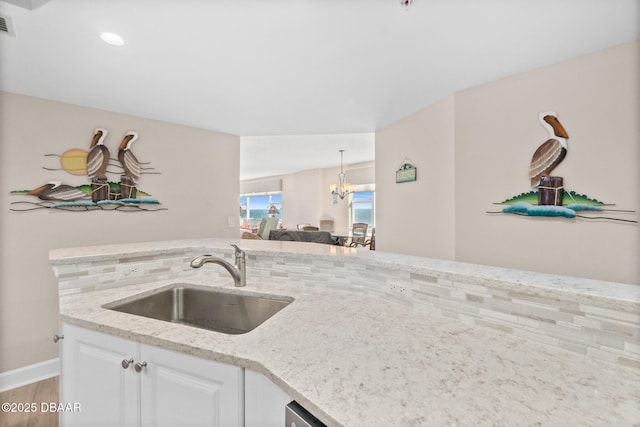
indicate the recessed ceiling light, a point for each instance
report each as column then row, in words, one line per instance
column 112, row 39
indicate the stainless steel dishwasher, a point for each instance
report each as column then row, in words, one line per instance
column 297, row 416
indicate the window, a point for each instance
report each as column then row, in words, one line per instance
column 362, row 207
column 256, row 206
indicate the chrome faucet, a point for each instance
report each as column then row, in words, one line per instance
column 239, row 272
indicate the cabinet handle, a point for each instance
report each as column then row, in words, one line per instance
column 125, row 363
column 57, row 337
column 139, row 366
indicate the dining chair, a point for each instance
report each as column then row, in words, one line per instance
column 266, row 225
column 326, row 225
column 359, row 234
column 371, row 242
column 248, row 235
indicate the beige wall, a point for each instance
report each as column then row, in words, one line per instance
column 417, row 218
column 596, row 98
column 495, row 132
column 192, row 163
column 301, row 198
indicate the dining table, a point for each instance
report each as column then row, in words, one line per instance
column 343, row 236
column 302, row 236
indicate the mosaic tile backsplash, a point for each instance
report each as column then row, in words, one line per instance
column 584, row 321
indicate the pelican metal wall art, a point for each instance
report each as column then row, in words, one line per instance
column 549, row 197
column 99, row 193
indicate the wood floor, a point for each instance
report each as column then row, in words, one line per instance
column 31, row 395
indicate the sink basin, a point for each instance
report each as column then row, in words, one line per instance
column 215, row 310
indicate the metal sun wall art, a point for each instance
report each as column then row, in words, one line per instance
column 100, row 193
column 549, row 197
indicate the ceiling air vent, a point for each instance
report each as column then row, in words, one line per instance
column 6, row 25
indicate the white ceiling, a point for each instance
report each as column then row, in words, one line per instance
column 291, row 67
column 260, row 156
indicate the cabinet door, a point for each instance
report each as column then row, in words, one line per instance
column 91, row 375
column 178, row 389
column 264, row 402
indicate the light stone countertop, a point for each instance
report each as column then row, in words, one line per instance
column 354, row 360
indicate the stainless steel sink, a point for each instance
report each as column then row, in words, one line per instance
column 215, row 310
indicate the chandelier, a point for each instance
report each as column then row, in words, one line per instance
column 341, row 189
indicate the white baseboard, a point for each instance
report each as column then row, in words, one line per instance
column 29, row 374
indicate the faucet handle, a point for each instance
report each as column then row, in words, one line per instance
column 241, row 264
column 239, row 252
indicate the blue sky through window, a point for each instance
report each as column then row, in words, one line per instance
column 259, row 205
column 362, row 207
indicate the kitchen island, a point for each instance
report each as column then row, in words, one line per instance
column 375, row 339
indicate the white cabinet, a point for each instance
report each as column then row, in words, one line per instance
column 171, row 388
column 92, row 376
column 264, row 401
column 177, row 389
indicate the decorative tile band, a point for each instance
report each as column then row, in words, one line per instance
column 548, row 318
